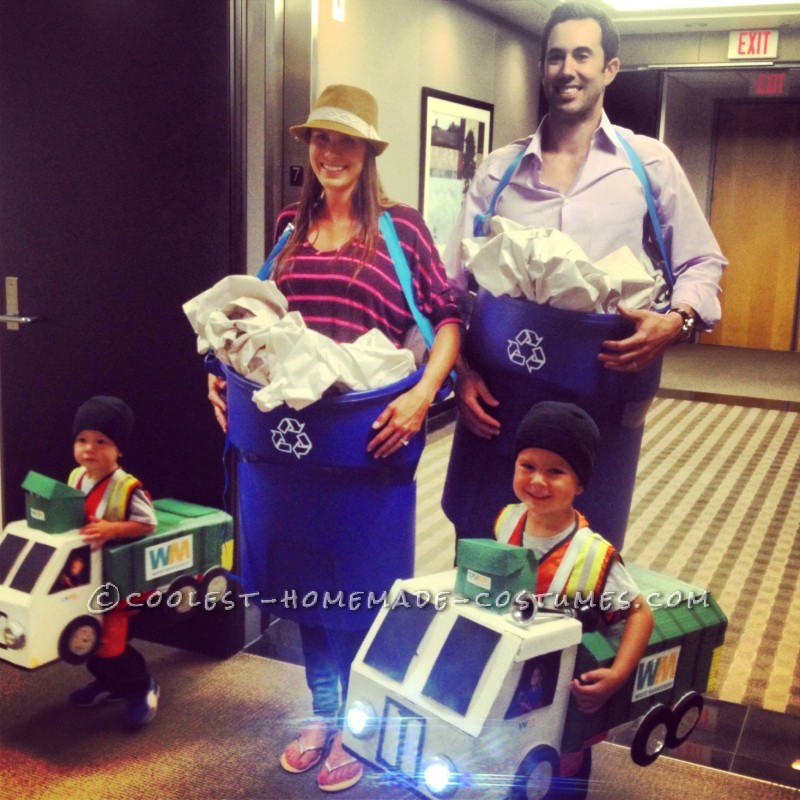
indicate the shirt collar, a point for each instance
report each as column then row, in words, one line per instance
column 604, row 136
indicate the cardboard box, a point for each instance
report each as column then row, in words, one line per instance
column 493, row 573
column 52, row 506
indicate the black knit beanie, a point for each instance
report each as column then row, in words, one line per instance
column 106, row 414
column 562, row 428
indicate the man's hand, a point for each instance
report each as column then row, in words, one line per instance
column 654, row 334
column 471, row 395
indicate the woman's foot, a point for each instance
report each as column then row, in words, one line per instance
column 340, row 770
column 308, row 749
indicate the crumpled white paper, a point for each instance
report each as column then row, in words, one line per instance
column 247, row 323
column 546, row 266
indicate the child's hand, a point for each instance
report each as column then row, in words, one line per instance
column 593, row 689
column 97, row 532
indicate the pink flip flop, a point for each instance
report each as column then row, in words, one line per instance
column 340, row 777
column 292, row 756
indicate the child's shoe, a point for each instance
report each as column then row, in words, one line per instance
column 93, row 694
column 143, row 707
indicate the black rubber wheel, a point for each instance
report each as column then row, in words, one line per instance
column 79, row 639
column 651, row 735
column 181, row 601
column 534, row 778
column 685, row 717
column 213, row 586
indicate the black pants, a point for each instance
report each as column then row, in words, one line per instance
column 125, row 674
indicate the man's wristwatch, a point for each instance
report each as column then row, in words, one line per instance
column 687, row 329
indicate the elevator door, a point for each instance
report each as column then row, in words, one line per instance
column 115, row 208
column 754, row 213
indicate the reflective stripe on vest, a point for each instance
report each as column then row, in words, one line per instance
column 593, row 556
column 115, row 497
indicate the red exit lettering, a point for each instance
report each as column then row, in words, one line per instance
column 770, row 84
column 754, row 43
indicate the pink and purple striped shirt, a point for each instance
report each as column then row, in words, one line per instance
column 337, row 302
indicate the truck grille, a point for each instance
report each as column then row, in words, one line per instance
column 401, row 740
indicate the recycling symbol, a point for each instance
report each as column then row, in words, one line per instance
column 526, row 350
column 288, row 437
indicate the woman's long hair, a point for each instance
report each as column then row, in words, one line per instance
column 369, row 202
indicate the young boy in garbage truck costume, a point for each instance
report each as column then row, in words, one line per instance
column 555, row 447
column 117, row 507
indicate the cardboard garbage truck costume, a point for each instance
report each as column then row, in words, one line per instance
column 465, row 693
column 54, row 588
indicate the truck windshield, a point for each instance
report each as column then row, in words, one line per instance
column 10, row 547
column 32, row 566
column 398, row 638
column 460, row 664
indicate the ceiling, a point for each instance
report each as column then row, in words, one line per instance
column 531, row 15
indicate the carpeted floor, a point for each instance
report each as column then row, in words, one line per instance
column 219, row 735
column 717, row 503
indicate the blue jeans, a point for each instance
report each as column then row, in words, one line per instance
column 328, row 655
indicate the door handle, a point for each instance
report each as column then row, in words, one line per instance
column 12, row 318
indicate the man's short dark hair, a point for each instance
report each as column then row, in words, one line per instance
column 571, row 11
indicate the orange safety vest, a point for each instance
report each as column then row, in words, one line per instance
column 593, row 556
column 115, row 489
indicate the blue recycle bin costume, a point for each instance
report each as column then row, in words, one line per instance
column 318, row 514
column 528, row 352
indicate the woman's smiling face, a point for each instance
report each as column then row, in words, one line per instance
column 336, row 159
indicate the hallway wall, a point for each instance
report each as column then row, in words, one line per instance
column 395, row 47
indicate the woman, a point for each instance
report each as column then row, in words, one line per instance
column 335, row 269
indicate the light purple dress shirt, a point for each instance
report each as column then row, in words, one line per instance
column 604, row 210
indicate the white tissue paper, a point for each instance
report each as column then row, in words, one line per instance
column 546, row 266
column 247, row 323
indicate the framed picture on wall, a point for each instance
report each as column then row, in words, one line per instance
column 456, row 135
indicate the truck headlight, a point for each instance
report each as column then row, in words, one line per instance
column 440, row 777
column 361, row 719
column 13, row 635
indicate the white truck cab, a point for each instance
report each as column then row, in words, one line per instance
column 461, row 686
column 54, row 588
column 449, row 700
column 46, row 583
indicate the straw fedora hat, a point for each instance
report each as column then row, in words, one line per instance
column 345, row 109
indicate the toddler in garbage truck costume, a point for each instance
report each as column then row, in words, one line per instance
column 555, row 448
column 117, row 507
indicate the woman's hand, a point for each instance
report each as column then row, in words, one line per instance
column 405, row 415
column 216, row 394
column 400, row 420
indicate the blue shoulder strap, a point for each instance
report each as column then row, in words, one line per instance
column 638, row 168
column 404, row 275
column 265, row 271
column 480, row 225
column 398, row 259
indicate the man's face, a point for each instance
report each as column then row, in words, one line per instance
column 574, row 72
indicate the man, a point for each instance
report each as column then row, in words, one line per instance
column 575, row 176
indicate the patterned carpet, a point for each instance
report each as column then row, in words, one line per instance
column 717, row 503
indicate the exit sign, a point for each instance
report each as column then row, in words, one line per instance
column 753, row 44
column 768, row 83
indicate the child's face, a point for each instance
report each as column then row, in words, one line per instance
column 95, row 452
column 545, row 482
